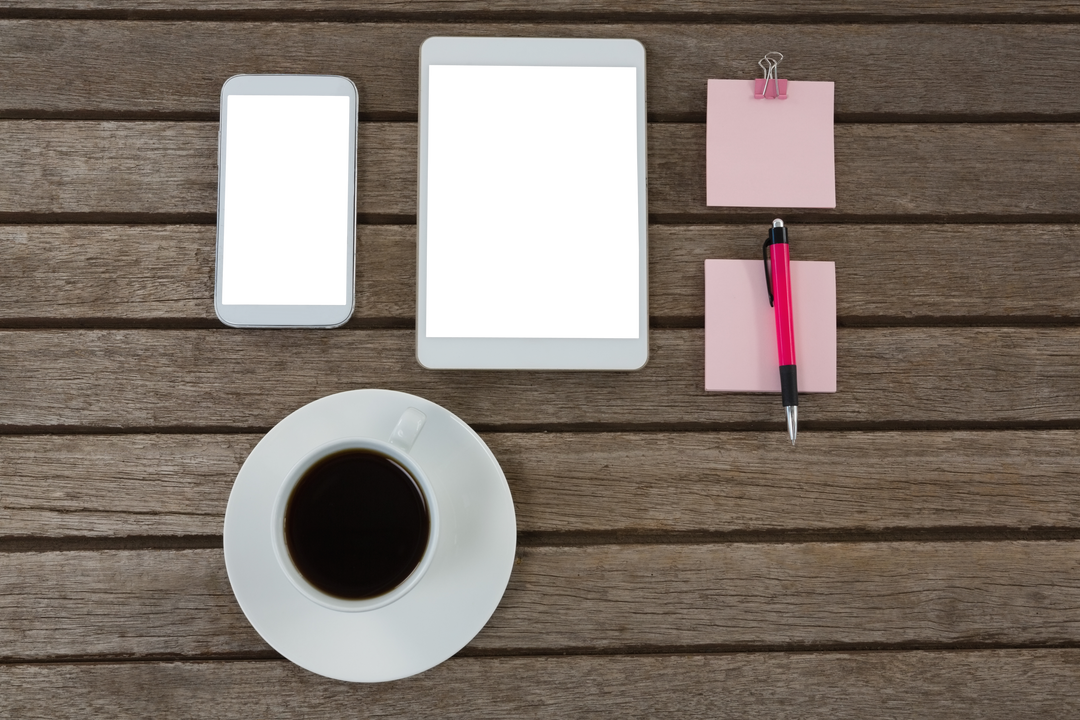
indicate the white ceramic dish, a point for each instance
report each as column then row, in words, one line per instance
column 451, row 602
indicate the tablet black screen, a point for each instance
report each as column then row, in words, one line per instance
column 285, row 227
column 532, row 202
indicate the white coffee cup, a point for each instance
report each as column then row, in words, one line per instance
column 396, row 448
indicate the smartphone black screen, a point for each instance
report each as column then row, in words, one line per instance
column 286, row 200
column 532, row 227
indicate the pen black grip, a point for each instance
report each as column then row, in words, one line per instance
column 789, row 386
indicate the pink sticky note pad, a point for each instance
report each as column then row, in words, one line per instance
column 770, row 152
column 740, row 335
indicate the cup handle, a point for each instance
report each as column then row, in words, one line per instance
column 408, row 429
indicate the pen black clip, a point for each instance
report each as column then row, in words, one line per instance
column 777, row 234
column 768, row 275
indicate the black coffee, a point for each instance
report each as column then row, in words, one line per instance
column 356, row 524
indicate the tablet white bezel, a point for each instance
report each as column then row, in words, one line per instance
column 318, row 316
column 532, row 353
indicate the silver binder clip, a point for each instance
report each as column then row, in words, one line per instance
column 779, row 86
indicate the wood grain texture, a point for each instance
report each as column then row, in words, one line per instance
column 913, row 272
column 586, row 9
column 897, row 171
column 121, row 603
column 177, row 68
column 883, row 171
column 251, row 379
column 626, row 483
column 816, row 593
column 129, row 485
column 664, row 482
column 102, row 274
column 615, row 598
column 105, row 273
column 109, row 167
column 109, row 274
column 984, row 685
column 670, row 539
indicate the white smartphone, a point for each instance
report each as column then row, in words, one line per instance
column 286, row 222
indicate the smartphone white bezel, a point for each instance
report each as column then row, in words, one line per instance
column 281, row 316
column 532, row 353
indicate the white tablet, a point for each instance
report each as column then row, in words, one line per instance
column 532, row 205
column 286, row 201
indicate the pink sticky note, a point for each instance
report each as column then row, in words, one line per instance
column 740, row 336
column 770, row 152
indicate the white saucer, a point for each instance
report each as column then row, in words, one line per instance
column 452, row 601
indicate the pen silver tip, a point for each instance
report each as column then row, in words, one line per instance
column 792, row 421
column 778, row 223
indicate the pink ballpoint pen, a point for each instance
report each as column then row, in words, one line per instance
column 778, row 281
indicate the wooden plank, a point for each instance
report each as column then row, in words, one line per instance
column 734, row 596
column 102, row 274
column 128, row 69
column 625, row 483
column 987, row 685
column 956, row 10
column 894, row 171
column 127, row 604
column 209, row 379
column 89, row 167
column 109, row 274
column 126, row 485
column 915, row 272
column 89, row 274
column 615, row 598
column 99, row 169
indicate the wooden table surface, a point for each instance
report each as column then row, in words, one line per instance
column 917, row 555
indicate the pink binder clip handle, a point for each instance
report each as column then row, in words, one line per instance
column 760, row 89
column 762, row 86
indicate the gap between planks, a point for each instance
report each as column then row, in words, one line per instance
column 591, row 539
column 677, row 221
column 862, row 322
column 810, row 427
column 584, row 651
column 837, row 14
column 855, row 118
